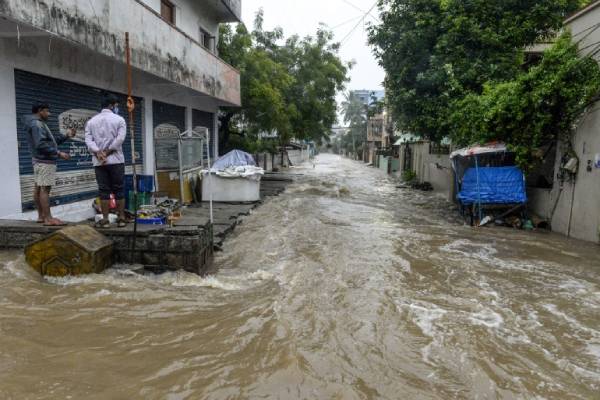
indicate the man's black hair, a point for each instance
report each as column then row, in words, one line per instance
column 109, row 100
column 39, row 106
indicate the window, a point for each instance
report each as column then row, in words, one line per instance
column 206, row 39
column 167, row 11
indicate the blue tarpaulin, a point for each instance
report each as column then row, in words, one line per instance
column 497, row 185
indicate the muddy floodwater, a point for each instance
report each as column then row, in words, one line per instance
column 344, row 287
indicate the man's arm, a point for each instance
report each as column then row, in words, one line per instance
column 60, row 138
column 89, row 140
column 121, row 133
column 43, row 147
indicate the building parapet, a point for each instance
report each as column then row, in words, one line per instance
column 158, row 47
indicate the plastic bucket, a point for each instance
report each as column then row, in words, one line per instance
column 145, row 183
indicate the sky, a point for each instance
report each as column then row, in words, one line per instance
column 345, row 17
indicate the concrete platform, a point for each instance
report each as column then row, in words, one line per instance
column 187, row 245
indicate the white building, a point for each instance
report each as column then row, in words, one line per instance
column 71, row 52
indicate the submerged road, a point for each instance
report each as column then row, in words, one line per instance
column 344, row 287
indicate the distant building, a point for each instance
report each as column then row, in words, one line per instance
column 70, row 53
column 366, row 96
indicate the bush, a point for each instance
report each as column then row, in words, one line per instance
column 409, row 176
column 538, row 106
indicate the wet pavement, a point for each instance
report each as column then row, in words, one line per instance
column 344, row 287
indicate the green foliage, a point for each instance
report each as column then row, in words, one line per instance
column 356, row 115
column 409, row 176
column 287, row 87
column 438, row 51
column 535, row 107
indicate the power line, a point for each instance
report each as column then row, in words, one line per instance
column 345, row 22
column 361, row 10
column 343, row 41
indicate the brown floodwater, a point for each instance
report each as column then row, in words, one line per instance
column 344, row 287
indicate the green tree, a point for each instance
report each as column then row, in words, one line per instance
column 355, row 117
column 537, row 106
column 319, row 75
column 263, row 85
column 438, row 51
column 287, row 86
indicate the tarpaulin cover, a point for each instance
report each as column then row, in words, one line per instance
column 497, row 185
column 235, row 158
column 479, row 149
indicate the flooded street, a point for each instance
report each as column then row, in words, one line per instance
column 344, row 287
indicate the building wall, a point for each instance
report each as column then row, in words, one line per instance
column 157, row 47
column 576, row 205
column 10, row 195
column 573, row 207
column 433, row 168
column 61, row 60
column 190, row 15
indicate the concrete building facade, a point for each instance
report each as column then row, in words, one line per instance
column 71, row 53
column 376, row 137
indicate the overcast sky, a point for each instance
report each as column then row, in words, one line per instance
column 345, row 17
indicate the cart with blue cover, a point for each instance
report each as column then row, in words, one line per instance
column 488, row 183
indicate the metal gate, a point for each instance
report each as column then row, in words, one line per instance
column 71, row 105
column 206, row 120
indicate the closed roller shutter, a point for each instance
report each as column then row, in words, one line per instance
column 71, row 106
column 169, row 122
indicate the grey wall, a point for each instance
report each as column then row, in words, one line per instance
column 577, row 204
column 157, row 47
column 425, row 165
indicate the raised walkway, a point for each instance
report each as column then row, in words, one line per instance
column 188, row 244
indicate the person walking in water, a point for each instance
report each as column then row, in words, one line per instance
column 104, row 137
column 43, row 145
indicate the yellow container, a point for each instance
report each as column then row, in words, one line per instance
column 75, row 250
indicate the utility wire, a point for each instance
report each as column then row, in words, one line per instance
column 361, row 10
column 343, row 41
column 593, row 29
column 346, row 22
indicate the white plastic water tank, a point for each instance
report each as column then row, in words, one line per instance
column 229, row 189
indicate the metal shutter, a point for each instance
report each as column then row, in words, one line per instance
column 75, row 180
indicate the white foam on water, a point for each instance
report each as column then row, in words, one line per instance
column 487, row 318
column 593, row 349
column 481, row 252
column 404, row 264
column 553, row 309
column 70, row 280
column 426, row 354
column 425, row 318
column 261, row 275
column 574, row 286
column 20, row 269
column 186, row 279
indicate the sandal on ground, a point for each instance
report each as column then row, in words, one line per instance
column 103, row 223
column 121, row 223
column 55, row 222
